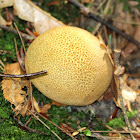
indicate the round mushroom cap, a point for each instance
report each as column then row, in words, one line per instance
column 78, row 68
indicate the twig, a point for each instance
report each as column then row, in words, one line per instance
column 28, row 128
column 20, row 35
column 2, row 63
column 24, row 75
column 25, row 36
column 1, row 67
column 57, row 126
column 45, row 125
column 93, row 136
column 107, row 137
column 88, row 12
column 124, row 132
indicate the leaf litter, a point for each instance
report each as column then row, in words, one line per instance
column 13, row 88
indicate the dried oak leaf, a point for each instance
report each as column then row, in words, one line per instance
column 28, row 11
column 45, row 108
column 12, row 88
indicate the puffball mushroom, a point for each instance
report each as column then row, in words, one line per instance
column 78, row 68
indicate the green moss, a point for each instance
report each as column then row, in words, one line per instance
column 4, row 113
column 132, row 114
column 7, row 44
column 62, row 11
column 117, row 122
column 80, row 115
column 120, row 122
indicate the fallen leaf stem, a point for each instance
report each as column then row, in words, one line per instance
column 28, row 128
column 44, row 124
column 25, row 36
column 57, row 126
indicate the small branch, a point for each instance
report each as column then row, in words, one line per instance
column 28, row 128
column 1, row 63
column 20, row 35
column 25, row 36
column 45, row 125
column 86, row 11
column 1, row 67
column 124, row 132
column 57, row 127
column 22, row 76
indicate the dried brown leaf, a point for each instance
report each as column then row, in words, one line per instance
column 12, row 87
column 45, row 108
column 36, row 106
column 54, row 3
column 67, row 127
column 133, row 3
column 28, row 11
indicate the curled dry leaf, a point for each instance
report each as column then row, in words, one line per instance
column 36, row 106
column 26, row 10
column 12, row 88
column 128, row 94
column 67, row 127
column 119, row 70
column 45, row 108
